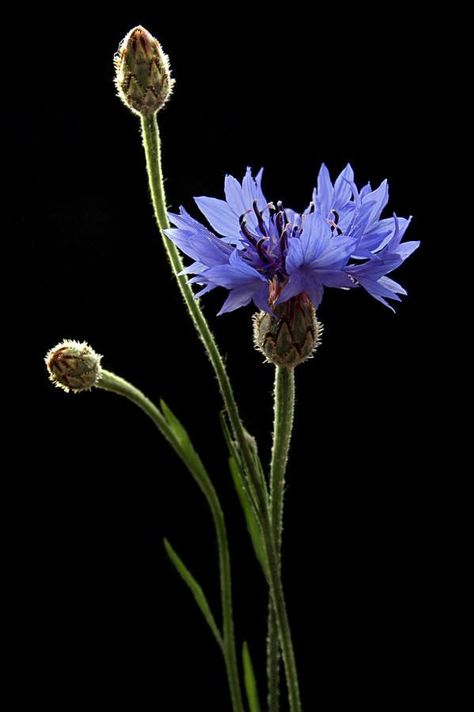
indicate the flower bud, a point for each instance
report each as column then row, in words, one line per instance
column 73, row 366
column 291, row 336
column 142, row 73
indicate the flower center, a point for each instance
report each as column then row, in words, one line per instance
column 266, row 251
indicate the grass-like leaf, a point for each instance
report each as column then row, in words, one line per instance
column 196, row 590
column 248, row 509
column 249, row 680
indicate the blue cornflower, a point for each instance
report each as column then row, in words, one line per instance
column 266, row 253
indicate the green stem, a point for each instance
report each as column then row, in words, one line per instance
column 284, row 400
column 281, row 617
column 273, row 661
column 110, row 382
column 152, row 146
column 284, row 403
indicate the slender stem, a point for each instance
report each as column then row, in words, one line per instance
column 152, row 146
column 273, row 661
column 115, row 384
column 284, row 402
column 284, row 399
column 281, row 617
column 110, row 382
column 151, row 143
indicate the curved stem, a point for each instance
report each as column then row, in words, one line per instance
column 110, row 382
column 284, row 402
column 152, row 146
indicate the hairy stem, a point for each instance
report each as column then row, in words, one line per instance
column 281, row 617
column 273, row 661
column 284, row 402
column 284, row 406
column 152, row 146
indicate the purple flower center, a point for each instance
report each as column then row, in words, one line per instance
column 266, row 250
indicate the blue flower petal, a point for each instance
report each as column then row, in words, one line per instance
column 252, row 189
column 333, row 278
column 238, row 297
column 337, row 252
column 220, row 216
column 315, row 237
column 391, row 285
column 233, row 195
column 200, row 245
column 379, row 291
column 315, row 293
column 405, row 249
column 294, row 286
column 260, row 298
column 184, row 220
column 323, row 196
column 236, row 273
column 342, row 188
column 377, row 200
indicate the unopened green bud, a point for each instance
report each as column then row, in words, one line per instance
column 291, row 336
column 142, row 73
column 73, row 366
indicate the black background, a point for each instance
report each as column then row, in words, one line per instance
column 96, row 612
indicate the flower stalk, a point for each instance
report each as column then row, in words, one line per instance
column 251, row 479
column 284, row 404
column 281, row 618
column 284, row 407
column 152, row 147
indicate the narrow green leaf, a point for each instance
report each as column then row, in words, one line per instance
column 185, row 447
column 238, row 477
column 250, row 516
column 196, row 590
column 256, row 457
column 249, row 680
column 234, row 450
column 177, row 428
column 231, row 444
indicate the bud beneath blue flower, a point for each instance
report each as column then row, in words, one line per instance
column 143, row 78
column 291, row 336
column 73, row 366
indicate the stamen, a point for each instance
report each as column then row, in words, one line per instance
column 333, row 223
column 281, row 209
column 243, row 226
column 261, row 224
column 284, row 238
column 279, row 220
column 262, row 253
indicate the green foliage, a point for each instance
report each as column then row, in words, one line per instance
column 196, row 590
